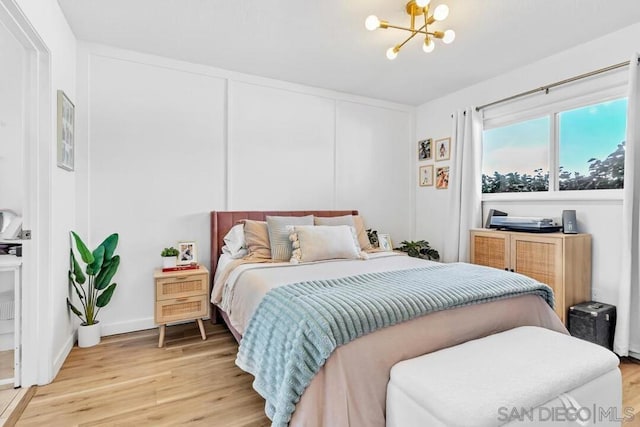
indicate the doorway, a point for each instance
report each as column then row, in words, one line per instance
column 26, row 188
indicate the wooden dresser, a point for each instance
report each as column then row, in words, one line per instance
column 181, row 295
column 562, row 261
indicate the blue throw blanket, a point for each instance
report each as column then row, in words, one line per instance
column 296, row 327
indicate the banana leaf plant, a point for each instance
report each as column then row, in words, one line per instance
column 92, row 284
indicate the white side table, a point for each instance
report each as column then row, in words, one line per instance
column 14, row 264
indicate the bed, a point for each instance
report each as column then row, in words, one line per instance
column 350, row 387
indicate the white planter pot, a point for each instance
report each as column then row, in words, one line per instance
column 89, row 335
column 169, row 261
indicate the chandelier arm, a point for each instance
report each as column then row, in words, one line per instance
column 421, row 30
column 413, row 34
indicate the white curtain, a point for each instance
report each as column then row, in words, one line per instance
column 627, row 338
column 465, row 181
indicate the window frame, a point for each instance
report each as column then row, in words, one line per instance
column 553, row 110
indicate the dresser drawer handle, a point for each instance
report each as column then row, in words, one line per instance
column 181, row 278
column 181, row 299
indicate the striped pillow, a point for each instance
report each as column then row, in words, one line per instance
column 279, row 234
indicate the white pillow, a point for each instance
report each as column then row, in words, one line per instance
column 234, row 242
column 322, row 242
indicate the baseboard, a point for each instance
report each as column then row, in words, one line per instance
column 62, row 354
column 133, row 326
column 127, row 326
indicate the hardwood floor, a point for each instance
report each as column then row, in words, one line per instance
column 127, row 380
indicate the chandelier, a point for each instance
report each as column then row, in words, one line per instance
column 416, row 9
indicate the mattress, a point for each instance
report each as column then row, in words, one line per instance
column 246, row 285
column 350, row 388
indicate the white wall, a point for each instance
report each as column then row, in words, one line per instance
column 170, row 141
column 601, row 218
column 11, row 121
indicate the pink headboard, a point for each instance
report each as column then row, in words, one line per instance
column 222, row 221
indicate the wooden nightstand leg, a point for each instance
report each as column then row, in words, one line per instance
column 161, row 340
column 201, row 327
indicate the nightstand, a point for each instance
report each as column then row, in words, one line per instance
column 181, row 295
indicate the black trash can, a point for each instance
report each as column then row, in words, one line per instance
column 593, row 321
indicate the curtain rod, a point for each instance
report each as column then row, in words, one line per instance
column 546, row 88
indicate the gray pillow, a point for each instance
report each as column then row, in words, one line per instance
column 334, row 220
column 279, row 234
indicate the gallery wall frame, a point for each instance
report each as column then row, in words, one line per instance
column 66, row 132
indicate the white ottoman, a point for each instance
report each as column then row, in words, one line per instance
column 524, row 376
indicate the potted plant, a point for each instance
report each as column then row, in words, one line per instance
column 92, row 284
column 169, row 257
column 419, row 249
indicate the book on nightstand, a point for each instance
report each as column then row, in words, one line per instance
column 181, row 267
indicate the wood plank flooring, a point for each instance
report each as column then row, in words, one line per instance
column 128, row 381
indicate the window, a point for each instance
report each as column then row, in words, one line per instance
column 515, row 158
column 586, row 144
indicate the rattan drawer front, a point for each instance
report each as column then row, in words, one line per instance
column 181, row 309
column 180, row 287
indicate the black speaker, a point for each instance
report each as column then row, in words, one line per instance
column 569, row 223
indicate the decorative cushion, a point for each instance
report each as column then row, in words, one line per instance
column 355, row 221
column 279, row 235
column 361, row 232
column 322, row 242
column 234, row 242
column 334, row 220
column 256, row 235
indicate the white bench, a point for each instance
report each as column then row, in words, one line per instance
column 524, row 376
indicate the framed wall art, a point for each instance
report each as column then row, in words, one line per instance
column 442, row 178
column 66, row 132
column 425, row 149
column 425, row 176
column 443, row 149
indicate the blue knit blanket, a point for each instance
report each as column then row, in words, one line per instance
column 296, row 327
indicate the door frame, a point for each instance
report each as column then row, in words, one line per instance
column 36, row 345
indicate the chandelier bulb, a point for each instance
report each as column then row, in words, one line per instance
column 441, row 12
column 449, row 36
column 428, row 45
column 372, row 23
column 422, row 3
column 392, row 53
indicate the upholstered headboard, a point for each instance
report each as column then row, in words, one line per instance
column 222, row 221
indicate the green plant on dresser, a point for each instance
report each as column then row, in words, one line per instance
column 419, row 249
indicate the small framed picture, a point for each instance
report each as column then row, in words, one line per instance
column 443, row 149
column 442, row 178
column 425, row 149
column 187, row 253
column 66, row 132
column 425, row 176
column 384, row 242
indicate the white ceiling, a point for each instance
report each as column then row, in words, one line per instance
column 323, row 43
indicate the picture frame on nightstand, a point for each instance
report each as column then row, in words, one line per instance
column 384, row 242
column 187, row 253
